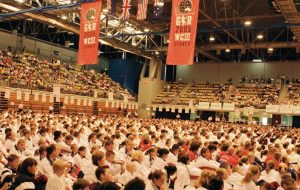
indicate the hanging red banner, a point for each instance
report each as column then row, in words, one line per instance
column 183, row 32
column 89, row 33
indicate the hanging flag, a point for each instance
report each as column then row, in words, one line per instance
column 108, row 5
column 142, row 10
column 183, row 32
column 89, row 33
column 158, row 10
column 126, row 7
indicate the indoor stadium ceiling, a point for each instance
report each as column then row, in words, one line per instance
column 228, row 30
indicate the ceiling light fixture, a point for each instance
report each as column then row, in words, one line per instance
column 227, row 50
column 247, row 23
column 146, row 30
column 64, row 17
column 105, row 10
column 260, row 36
column 212, row 39
column 270, row 49
column 160, row 3
column 20, row 1
column 157, row 53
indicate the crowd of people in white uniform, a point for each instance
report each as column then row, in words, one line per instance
column 77, row 151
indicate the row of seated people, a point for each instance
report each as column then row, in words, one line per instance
column 27, row 71
column 45, row 151
column 169, row 93
column 200, row 92
column 255, row 95
column 293, row 96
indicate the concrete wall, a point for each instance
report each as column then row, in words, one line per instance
column 37, row 47
column 221, row 72
column 148, row 90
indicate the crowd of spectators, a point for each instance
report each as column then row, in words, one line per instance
column 27, row 71
column 45, row 151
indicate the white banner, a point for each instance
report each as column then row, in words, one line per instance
column 19, row 95
column 167, row 108
column 125, row 98
column 285, row 109
column 112, row 104
column 57, row 98
column 122, row 105
column 173, row 109
column 66, row 99
column 246, row 111
column 296, row 109
column 44, row 97
column 160, row 108
column 272, row 108
column 106, row 104
column 215, row 106
column 180, row 110
column 187, row 110
column 56, row 91
column 51, row 98
column 36, row 96
column 251, row 110
column 90, row 102
column 193, row 110
column 191, row 103
column 228, row 107
column 204, row 105
column 110, row 96
column 118, row 105
column 7, row 93
column 26, row 97
column 95, row 94
column 78, row 101
column 84, row 101
column 72, row 100
column 154, row 107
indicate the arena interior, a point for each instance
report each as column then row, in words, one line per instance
column 149, row 94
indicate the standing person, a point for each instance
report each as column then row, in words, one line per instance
column 25, row 177
column 57, row 181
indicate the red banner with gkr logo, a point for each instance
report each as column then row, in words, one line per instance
column 89, row 33
column 183, row 32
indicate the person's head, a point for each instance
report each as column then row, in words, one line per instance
column 137, row 155
column 109, row 186
column 42, row 152
column 82, row 151
column 205, row 153
column 110, row 156
column 52, row 151
column 92, row 138
column 103, row 174
column 135, row 184
column 13, row 161
column 282, row 168
column 98, row 158
column 222, row 174
column 42, row 142
column 265, row 186
column 253, row 174
column 287, row 182
column 21, row 144
column 152, row 152
column 227, row 167
column 183, row 157
column 175, row 149
column 81, row 184
column 158, row 177
column 131, row 167
column 216, row 184
column 195, row 145
column 270, row 165
column 163, row 153
column 109, row 145
column 68, row 139
column 28, row 166
column 59, row 167
column 205, row 178
column 57, row 136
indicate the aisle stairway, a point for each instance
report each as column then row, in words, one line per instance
column 3, row 101
column 183, row 91
column 283, row 94
column 95, row 108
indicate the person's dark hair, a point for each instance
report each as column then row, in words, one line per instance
column 266, row 186
column 162, row 151
column 50, row 149
column 203, row 151
column 171, row 170
column 57, row 134
column 96, row 157
column 175, row 147
column 216, row 184
column 135, row 184
column 12, row 157
column 81, row 148
column 195, row 145
column 107, row 143
column 100, row 170
column 183, row 157
column 80, row 184
column 91, row 136
column 155, row 175
column 69, row 137
column 28, row 162
column 109, row 186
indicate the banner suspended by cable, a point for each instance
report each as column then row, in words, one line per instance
column 183, row 32
column 89, row 33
